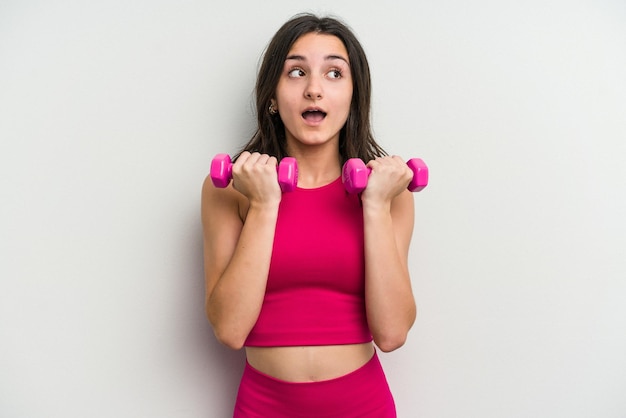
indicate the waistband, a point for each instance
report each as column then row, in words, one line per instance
column 363, row 392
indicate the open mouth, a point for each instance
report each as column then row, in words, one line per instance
column 314, row 115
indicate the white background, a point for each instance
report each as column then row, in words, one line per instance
column 110, row 112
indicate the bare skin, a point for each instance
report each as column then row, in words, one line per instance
column 239, row 223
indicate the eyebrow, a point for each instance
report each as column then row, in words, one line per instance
column 326, row 58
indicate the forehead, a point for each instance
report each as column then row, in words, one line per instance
column 314, row 45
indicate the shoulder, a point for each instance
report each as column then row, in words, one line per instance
column 221, row 202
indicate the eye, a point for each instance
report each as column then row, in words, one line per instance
column 295, row 73
column 334, row 74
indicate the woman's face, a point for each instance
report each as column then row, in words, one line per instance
column 314, row 91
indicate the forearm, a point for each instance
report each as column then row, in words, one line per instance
column 235, row 302
column 388, row 295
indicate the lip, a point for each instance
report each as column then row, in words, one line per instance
column 313, row 109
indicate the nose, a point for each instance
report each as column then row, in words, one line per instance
column 313, row 89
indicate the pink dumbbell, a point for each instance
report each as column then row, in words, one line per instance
column 355, row 174
column 222, row 172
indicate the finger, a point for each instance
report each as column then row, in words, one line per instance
column 263, row 159
column 251, row 161
column 398, row 160
column 243, row 157
column 373, row 163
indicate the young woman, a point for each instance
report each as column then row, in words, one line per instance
column 311, row 281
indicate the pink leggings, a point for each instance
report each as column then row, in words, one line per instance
column 362, row 393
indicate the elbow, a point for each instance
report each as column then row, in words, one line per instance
column 389, row 343
column 229, row 339
column 226, row 334
column 391, row 338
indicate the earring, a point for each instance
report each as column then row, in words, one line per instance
column 272, row 109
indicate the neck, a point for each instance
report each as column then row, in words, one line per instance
column 317, row 166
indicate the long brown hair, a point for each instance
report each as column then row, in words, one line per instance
column 356, row 139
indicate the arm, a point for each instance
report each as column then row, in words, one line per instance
column 388, row 212
column 238, row 246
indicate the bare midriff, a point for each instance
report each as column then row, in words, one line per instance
column 309, row 363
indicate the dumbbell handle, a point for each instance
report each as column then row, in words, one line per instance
column 222, row 172
column 355, row 174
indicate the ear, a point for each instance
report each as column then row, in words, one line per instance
column 273, row 107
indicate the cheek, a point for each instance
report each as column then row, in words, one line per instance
column 347, row 103
column 286, row 100
column 348, row 96
column 283, row 95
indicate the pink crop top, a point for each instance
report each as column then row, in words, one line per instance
column 315, row 289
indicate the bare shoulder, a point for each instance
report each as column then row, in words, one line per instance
column 220, row 203
column 223, row 211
